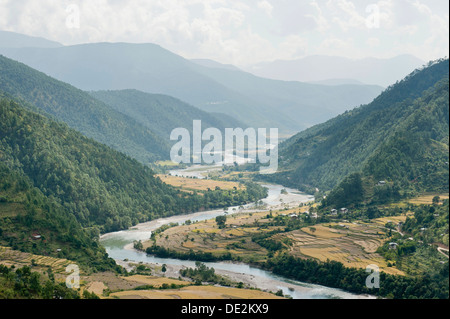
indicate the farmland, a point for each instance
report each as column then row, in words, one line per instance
column 427, row 199
column 196, row 292
column 10, row 257
column 352, row 244
column 108, row 285
column 194, row 184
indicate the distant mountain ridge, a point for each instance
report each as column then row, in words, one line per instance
column 383, row 72
column 16, row 40
column 256, row 102
column 213, row 64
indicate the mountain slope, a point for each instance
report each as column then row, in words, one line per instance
column 162, row 113
column 367, row 137
column 152, row 69
column 25, row 212
column 104, row 189
column 417, row 152
column 101, row 187
column 81, row 111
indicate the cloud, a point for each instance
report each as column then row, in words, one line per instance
column 266, row 7
column 238, row 31
column 346, row 15
column 321, row 22
column 373, row 42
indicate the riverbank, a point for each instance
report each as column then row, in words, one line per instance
column 253, row 278
column 119, row 245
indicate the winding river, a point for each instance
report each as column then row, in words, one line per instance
column 119, row 246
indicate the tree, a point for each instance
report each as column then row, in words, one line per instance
column 436, row 200
column 221, row 220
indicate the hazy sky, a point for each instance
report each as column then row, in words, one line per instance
column 243, row 32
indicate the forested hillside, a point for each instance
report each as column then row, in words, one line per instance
column 81, row 112
column 25, row 212
column 162, row 113
column 104, row 189
column 400, row 138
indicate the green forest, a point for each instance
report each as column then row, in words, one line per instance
column 162, row 113
column 80, row 111
column 25, row 211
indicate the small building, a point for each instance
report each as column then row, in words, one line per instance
column 393, row 245
column 344, row 210
column 334, row 212
column 314, row 215
column 293, row 216
column 36, row 237
column 381, row 183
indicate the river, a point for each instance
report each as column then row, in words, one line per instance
column 119, row 246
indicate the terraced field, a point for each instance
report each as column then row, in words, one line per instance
column 11, row 257
column 352, row 244
column 427, row 199
column 205, row 236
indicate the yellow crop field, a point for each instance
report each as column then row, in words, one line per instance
column 196, row 292
column 427, row 199
column 354, row 245
column 198, row 184
column 322, row 232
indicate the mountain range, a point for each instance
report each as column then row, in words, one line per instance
column 328, row 69
column 258, row 102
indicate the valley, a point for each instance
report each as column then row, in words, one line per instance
column 91, row 192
